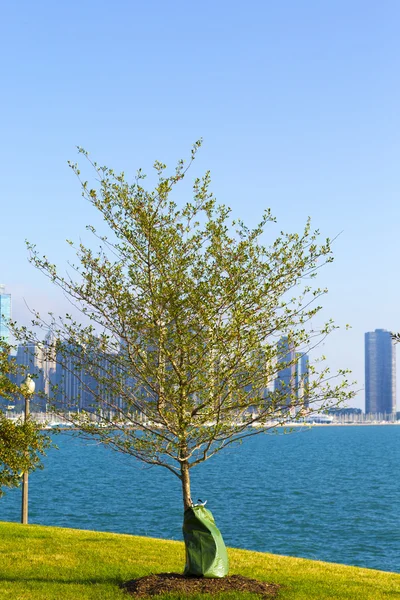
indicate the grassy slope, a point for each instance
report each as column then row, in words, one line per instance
column 61, row 564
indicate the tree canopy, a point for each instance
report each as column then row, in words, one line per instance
column 21, row 443
column 191, row 316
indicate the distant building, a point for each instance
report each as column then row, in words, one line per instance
column 380, row 372
column 285, row 382
column 349, row 411
column 83, row 379
column 292, row 379
column 32, row 357
column 303, row 371
column 68, row 378
column 5, row 313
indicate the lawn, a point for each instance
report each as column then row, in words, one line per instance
column 63, row 564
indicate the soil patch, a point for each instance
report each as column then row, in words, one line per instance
column 169, row 583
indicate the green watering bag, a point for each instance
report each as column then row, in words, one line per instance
column 206, row 554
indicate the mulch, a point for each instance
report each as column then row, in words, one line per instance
column 169, row 583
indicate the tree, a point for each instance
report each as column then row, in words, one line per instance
column 21, row 443
column 189, row 320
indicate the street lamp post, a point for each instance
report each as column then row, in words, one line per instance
column 27, row 389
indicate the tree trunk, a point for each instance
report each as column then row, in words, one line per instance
column 185, row 479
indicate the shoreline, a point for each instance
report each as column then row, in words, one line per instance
column 287, row 426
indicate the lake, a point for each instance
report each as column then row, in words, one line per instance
column 326, row 493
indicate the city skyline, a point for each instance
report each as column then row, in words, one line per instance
column 379, row 366
column 379, row 360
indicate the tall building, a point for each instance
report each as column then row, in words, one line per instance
column 83, row 379
column 302, row 378
column 285, row 382
column 5, row 313
column 32, row 357
column 292, row 380
column 380, row 372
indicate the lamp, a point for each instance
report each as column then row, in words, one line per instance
column 27, row 389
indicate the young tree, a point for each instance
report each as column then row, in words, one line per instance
column 21, row 443
column 185, row 316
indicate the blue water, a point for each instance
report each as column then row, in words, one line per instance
column 327, row 493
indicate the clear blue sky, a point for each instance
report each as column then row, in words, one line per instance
column 297, row 102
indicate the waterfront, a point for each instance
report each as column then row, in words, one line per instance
column 327, row 493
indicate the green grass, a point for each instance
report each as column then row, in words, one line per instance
column 63, row 564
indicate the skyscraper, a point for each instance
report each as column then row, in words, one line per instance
column 303, row 375
column 380, row 372
column 285, row 382
column 5, row 313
